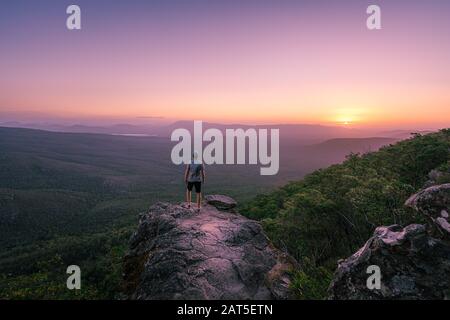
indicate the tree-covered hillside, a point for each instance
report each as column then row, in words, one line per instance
column 332, row 212
column 75, row 198
column 69, row 198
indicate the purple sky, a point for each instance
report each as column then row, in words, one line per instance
column 249, row 61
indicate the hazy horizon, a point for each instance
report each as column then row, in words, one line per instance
column 161, row 121
column 157, row 121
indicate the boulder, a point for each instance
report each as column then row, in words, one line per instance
column 221, row 202
column 434, row 203
column 178, row 253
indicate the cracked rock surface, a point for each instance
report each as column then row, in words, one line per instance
column 178, row 253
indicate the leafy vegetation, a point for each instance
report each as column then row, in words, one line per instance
column 75, row 198
column 38, row 271
column 331, row 213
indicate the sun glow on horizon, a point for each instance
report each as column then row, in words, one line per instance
column 347, row 118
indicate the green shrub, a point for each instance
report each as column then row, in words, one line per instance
column 332, row 212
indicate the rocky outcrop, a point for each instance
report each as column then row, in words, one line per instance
column 178, row 253
column 414, row 261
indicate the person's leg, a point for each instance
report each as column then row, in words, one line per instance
column 199, row 200
column 189, row 194
column 190, row 198
column 198, row 191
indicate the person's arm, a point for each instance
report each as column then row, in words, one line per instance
column 186, row 174
column 203, row 173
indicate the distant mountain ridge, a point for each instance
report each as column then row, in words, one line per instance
column 309, row 133
column 354, row 144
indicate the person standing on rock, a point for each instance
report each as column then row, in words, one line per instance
column 194, row 176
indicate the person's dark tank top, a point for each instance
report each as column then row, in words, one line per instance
column 195, row 171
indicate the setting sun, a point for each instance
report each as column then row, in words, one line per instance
column 345, row 120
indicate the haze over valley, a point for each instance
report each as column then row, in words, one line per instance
column 51, row 179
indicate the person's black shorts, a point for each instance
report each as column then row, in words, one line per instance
column 197, row 185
